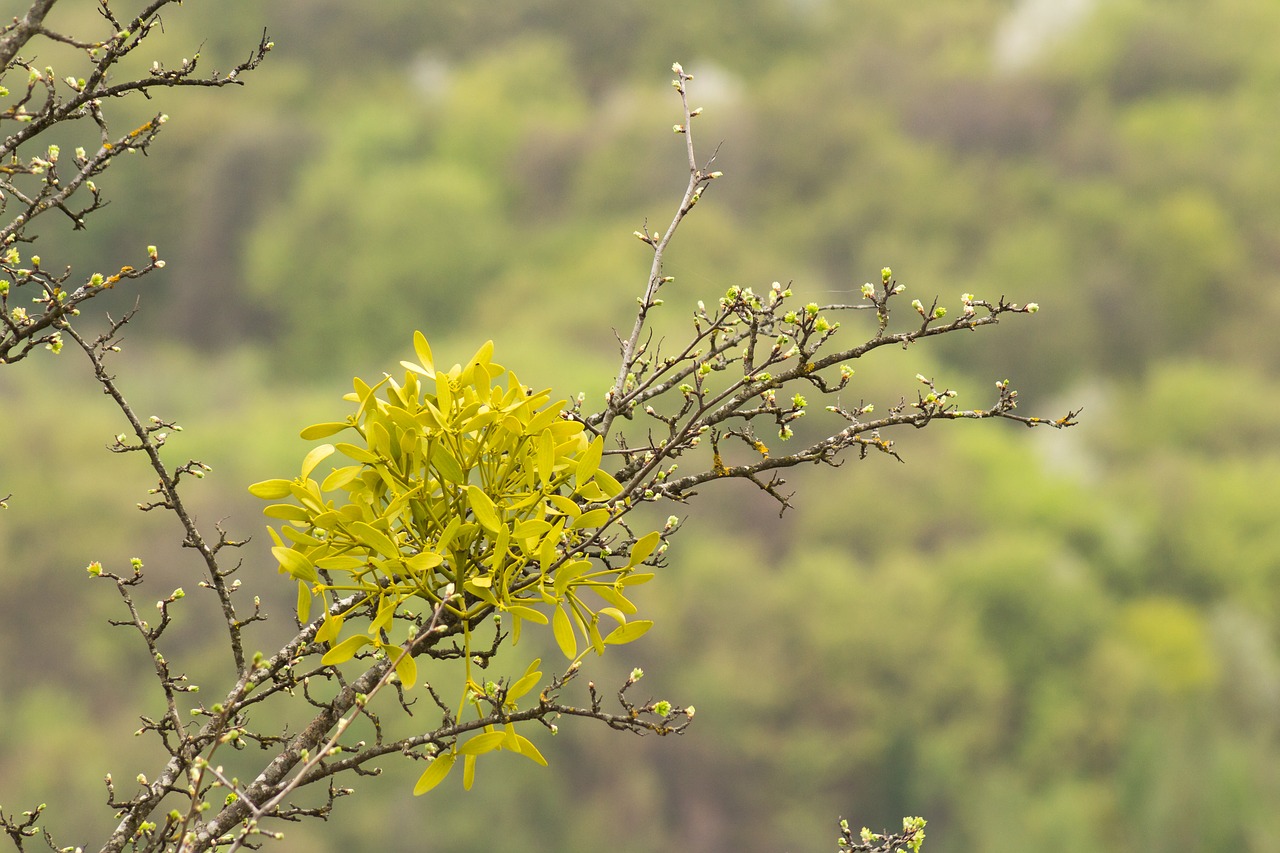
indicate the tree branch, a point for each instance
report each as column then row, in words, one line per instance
column 18, row 33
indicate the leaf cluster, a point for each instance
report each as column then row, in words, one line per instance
column 473, row 493
column 475, row 496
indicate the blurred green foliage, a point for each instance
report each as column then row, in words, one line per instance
column 1040, row 642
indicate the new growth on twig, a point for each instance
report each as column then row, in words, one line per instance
column 745, row 374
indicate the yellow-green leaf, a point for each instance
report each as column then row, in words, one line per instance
column 500, row 549
column 613, row 613
column 316, row 431
column 546, row 461
column 295, row 563
column 339, row 477
column 375, row 539
column 435, row 773
column 482, row 743
column 271, row 490
column 530, row 528
column 568, row 433
column 643, row 548
column 594, row 518
column 483, row 355
column 406, row 667
column 345, row 650
column 379, row 438
column 481, row 592
column 365, row 393
column 628, row 632
column 416, row 368
column 529, row 613
column 444, row 394
column 423, row 350
column 330, row 629
column 569, row 573
column 295, row 535
column 523, row 685
column 468, row 772
column 565, row 505
column 483, row 508
column 444, row 462
column 450, row 530
column 341, row 562
column 526, row 748
column 545, row 418
column 590, row 492
column 589, row 461
column 606, row 482
column 422, row 562
column 386, row 612
column 547, row 548
column 304, row 602
column 356, row 452
column 619, row 601
column 480, row 421
column 563, row 630
column 314, row 458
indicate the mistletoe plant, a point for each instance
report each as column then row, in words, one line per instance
column 475, row 497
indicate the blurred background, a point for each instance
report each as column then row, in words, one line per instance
column 1037, row 640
